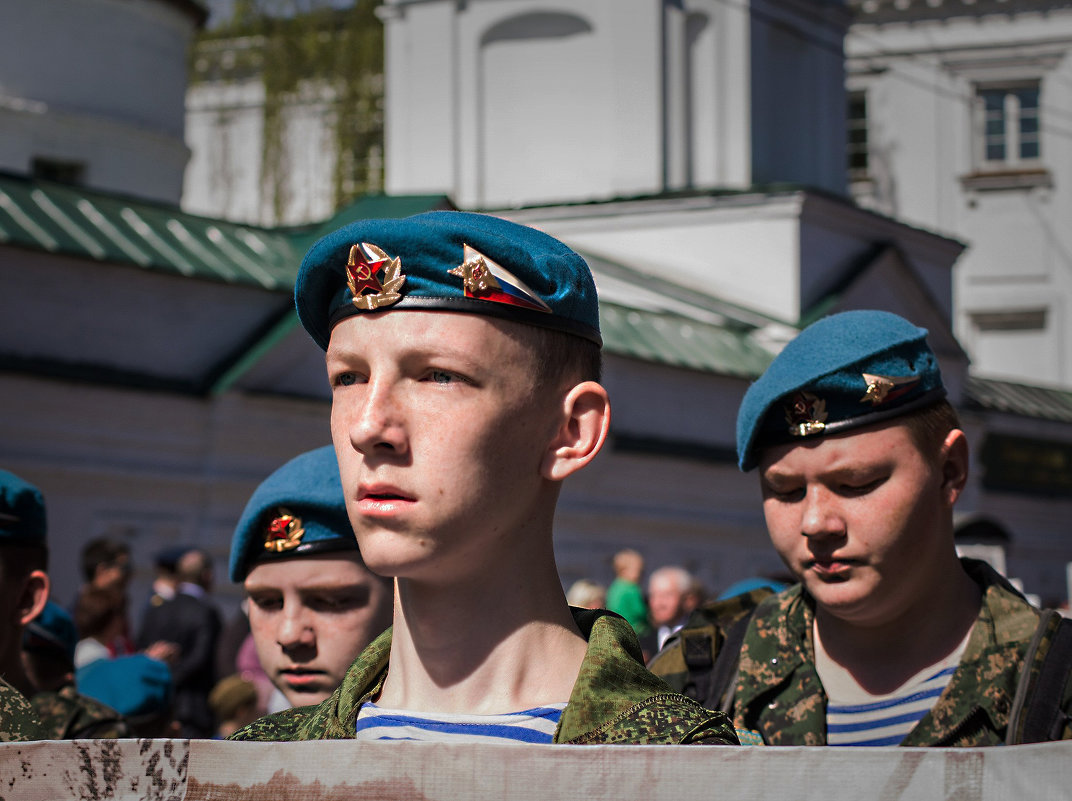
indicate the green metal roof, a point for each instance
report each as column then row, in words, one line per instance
column 673, row 327
column 1045, row 403
column 676, row 340
column 106, row 227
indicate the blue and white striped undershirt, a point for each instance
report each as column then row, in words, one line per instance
column 857, row 717
column 530, row 726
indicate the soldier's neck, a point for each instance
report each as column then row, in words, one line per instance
column 883, row 654
column 505, row 643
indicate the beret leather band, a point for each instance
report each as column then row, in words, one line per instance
column 481, row 307
column 446, row 261
column 840, row 426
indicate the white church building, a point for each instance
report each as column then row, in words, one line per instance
column 693, row 151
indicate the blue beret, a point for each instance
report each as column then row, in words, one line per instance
column 134, row 686
column 22, row 512
column 845, row 371
column 53, row 628
column 446, row 261
column 298, row 510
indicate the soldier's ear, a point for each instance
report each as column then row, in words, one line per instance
column 583, row 423
column 954, row 461
column 33, row 597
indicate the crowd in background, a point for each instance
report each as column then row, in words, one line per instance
column 658, row 612
column 184, row 671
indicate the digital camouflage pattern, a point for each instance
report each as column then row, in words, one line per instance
column 18, row 721
column 779, row 694
column 66, row 715
column 614, row 700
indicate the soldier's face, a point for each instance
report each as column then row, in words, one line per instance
column 863, row 519
column 310, row 618
column 440, row 435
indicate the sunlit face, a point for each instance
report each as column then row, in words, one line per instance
column 440, row 435
column 861, row 518
column 311, row 616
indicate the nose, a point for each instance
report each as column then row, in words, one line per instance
column 377, row 425
column 820, row 516
column 294, row 631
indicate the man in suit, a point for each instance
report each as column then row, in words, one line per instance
column 191, row 622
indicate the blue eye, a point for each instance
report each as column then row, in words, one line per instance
column 442, row 377
column 347, row 379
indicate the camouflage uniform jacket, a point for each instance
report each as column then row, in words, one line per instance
column 614, row 700
column 66, row 715
column 778, row 692
column 18, row 721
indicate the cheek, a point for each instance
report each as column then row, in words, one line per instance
column 783, row 526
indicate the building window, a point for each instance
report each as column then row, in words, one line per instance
column 62, row 172
column 857, row 135
column 1009, row 124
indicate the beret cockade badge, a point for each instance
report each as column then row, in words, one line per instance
column 485, row 279
column 806, row 414
column 882, row 388
column 284, row 532
column 369, row 291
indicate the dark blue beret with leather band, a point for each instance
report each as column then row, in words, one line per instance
column 299, row 510
column 446, row 261
column 22, row 512
column 845, row 371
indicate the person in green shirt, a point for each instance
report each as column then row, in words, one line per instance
column 624, row 595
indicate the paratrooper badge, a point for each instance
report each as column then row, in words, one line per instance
column 806, row 414
column 484, row 279
column 284, row 533
column 882, row 388
column 368, row 290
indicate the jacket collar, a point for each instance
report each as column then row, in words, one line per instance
column 981, row 691
column 612, row 680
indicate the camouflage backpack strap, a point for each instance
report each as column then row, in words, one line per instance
column 700, row 661
column 1037, row 713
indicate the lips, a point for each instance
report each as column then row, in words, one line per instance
column 301, row 677
column 381, row 492
column 831, row 565
column 382, row 499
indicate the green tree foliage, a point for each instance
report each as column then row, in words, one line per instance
column 307, row 52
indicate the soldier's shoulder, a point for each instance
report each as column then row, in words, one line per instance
column 289, row 725
column 18, row 720
column 95, row 720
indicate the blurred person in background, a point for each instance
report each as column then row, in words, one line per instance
column 48, row 647
column 138, row 687
column 673, row 593
column 234, row 704
column 587, row 594
column 106, row 567
column 100, row 619
column 624, row 595
column 191, row 622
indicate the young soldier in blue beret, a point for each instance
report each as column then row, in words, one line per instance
column 58, row 711
column 888, row 638
column 463, row 353
column 313, row 605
